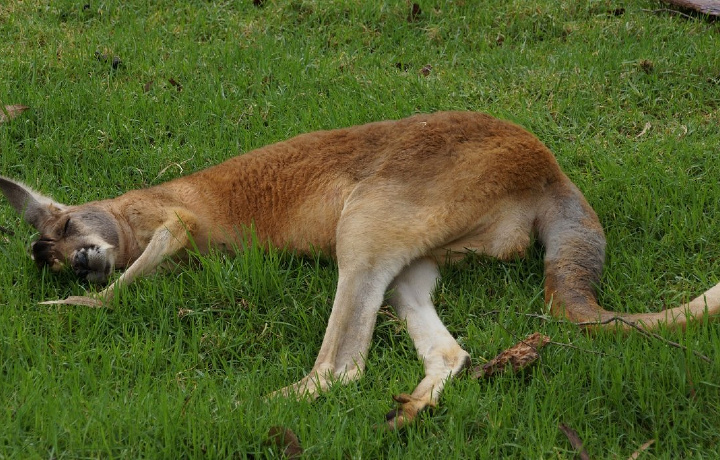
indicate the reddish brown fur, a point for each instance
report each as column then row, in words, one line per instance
column 294, row 191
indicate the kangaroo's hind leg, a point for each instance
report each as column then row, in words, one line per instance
column 342, row 355
column 373, row 246
column 442, row 356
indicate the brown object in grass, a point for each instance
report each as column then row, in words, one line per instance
column 9, row 112
column 285, row 440
column 709, row 7
column 519, row 357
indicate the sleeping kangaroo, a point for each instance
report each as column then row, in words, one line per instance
column 390, row 201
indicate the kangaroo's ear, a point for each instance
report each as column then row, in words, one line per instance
column 35, row 208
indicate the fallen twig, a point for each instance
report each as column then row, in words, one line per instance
column 705, row 8
column 635, row 455
column 646, row 333
column 575, row 441
column 528, row 315
column 667, row 10
column 570, row 345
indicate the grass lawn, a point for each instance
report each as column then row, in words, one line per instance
column 126, row 94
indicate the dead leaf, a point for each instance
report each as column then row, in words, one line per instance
column 646, row 65
column 177, row 85
column 425, row 71
column 11, row 111
column 635, row 455
column 284, row 440
column 575, row 441
column 415, row 12
column 148, row 85
column 183, row 312
column 519, row 356
column 83, row 301
column 645, row 129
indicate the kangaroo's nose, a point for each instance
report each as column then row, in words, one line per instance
column 80, row 264
column 81, row 259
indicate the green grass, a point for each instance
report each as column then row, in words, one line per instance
column 142, row 381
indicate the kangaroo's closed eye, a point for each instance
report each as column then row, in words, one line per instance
column 66, row 227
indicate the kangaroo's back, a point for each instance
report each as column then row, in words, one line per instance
column 293, row 192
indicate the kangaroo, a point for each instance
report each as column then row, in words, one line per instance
column 390, row 201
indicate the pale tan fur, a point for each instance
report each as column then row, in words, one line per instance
column 389, row 201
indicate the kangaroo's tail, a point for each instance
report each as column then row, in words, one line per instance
column 574, row 256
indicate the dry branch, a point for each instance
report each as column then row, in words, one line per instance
column 647, row 333
column 635, row 455
column 709, row 7
column 575, row 441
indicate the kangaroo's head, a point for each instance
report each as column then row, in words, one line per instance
column 85, row 237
